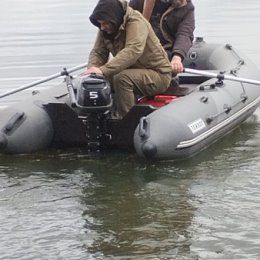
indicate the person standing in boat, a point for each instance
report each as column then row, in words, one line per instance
column 139, row 64
column 174, row 23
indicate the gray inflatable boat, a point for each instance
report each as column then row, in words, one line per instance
column 223, row 91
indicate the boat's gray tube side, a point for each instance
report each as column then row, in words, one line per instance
column 186, row 126
column 159, row 134
column 193, row 122
column 25, row 128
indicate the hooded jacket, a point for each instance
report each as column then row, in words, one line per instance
column 178, row 24
column 134, row 45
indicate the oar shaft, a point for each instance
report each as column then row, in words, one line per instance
column 221, row 76
column 37, row 82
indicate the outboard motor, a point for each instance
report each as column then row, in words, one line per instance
column 93, row 94
column 93, row 102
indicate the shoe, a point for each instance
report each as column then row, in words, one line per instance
column 175, row 89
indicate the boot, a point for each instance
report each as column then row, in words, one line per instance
column 175, row 89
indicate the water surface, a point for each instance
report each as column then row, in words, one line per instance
column 68, row 205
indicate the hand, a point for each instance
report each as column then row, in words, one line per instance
column 177, row 66
column 94, row 70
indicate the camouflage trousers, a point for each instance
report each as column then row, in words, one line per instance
column 131, row 82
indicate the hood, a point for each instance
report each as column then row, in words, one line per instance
column 108, row 10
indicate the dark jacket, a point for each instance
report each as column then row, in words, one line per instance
column 134, row 45
column 178, row 26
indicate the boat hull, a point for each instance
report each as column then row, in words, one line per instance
column 163, row 127
column 214, row 108
column 184, row 127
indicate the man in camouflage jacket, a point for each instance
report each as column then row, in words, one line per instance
column 139, row 64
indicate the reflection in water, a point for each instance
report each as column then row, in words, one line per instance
column 225, row 193
column 138, row 215
column 127, row 212
column 40, row 215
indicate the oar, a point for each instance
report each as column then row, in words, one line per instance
column 221, row 76
column 37, row 82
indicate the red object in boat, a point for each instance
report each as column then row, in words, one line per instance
column 157, row 101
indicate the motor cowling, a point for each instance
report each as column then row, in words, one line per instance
column 93, row 93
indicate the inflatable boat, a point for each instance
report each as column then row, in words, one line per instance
column 221, row 91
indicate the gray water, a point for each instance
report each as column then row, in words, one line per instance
column 68, row 205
